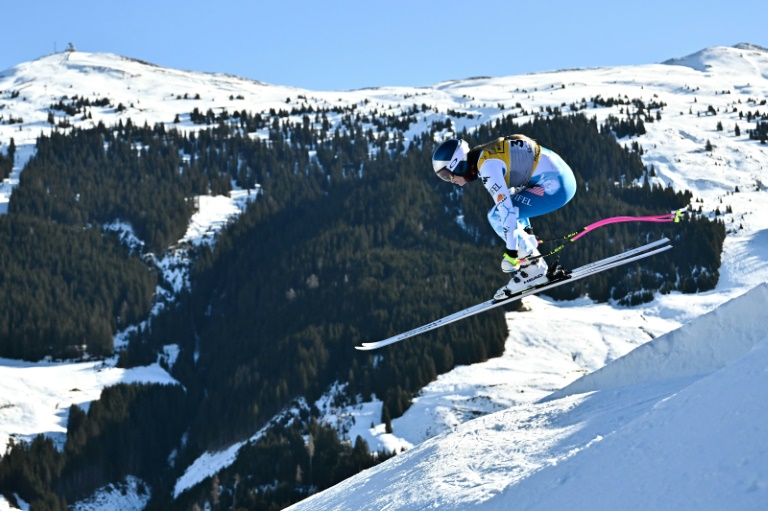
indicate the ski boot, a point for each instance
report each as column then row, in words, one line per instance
column 534, row 274
column 531, row 275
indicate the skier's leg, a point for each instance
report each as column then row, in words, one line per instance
column 551, row 187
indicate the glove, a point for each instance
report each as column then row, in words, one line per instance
column 510, row 263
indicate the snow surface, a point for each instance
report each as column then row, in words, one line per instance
column 35, row 398
column 679, row 423
column 212, row 462
column 6, row 506
column 676, row 423
column 130, row 495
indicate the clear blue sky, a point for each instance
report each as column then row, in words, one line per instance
column 350, row 44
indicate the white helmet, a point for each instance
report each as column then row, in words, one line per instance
column 450, row 158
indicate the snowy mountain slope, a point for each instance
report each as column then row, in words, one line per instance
column 542, row 355
column 747, row 59
column 646, row 432
column 146, row 93
column 703, row 346
column 35, row 398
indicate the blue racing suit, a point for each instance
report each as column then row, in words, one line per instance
column 525, row 181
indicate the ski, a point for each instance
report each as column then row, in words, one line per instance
column 581, row 272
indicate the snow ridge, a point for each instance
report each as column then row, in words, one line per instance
column 667, row 436
column 704, row 346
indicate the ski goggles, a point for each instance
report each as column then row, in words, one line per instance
column 445, row 174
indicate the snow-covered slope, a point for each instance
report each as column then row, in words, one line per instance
column 679, row 392
column 542, row 355
column 551, row 344
column 703, row 346
column 35, row 398
column 679, row 423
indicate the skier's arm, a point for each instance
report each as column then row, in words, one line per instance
column 492, row 176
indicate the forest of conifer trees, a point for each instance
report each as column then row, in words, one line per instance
column 352, row 239
column 6, row 160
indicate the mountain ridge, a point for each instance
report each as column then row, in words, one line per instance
column 674, row 146
column 703, row 53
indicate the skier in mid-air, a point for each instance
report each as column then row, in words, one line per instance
column 525, row 181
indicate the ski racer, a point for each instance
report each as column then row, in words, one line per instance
column 525, row 181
